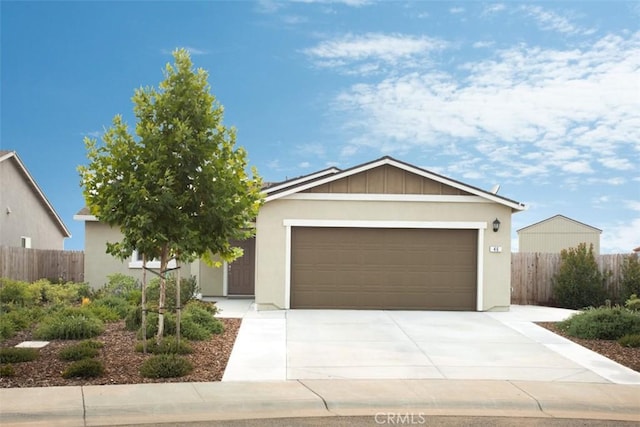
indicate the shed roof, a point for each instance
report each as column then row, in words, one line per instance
column 6, row 155
column 556, row 217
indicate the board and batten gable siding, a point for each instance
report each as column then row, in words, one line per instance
column 273, row 235
column 28, row 216
column 386, row 179
column 557, row 233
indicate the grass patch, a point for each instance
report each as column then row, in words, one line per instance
column 69, row 324
column 168, row 345
column 85, row 368
column 602, row 323
column 82, row 350
column 18, row 354
column 630, row 340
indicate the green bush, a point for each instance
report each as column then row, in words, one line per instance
column 8, row 329
column 168, row 345
column 602, row 323
column 20, row 294
column 85, row 368
column 69, row 324
column 7, row 371
column 118, row 304
column 633, row 303
column 18, row 354
column 152, row 325
column 630, row 340
column 208, row 306
column 579, row 283
column 193, row 331
column 188, row 289
column 204, row 318
column 165, row 366
column 103, row 312
column 630, row 283
column 119, row 285
column 133, row 319
column 78, row 352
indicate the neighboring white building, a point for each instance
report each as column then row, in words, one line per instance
column 554, row 234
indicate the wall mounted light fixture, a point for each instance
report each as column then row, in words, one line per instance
column 496, row 225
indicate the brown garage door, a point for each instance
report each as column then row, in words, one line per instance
column 382, row 268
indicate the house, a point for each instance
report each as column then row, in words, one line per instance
column 27, row 218
column 554, row 234
column 384, row 234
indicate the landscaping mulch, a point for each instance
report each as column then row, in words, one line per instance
column 122, row 363
column 627, row 356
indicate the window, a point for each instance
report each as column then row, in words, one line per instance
column 136, row 262
column 25, row 242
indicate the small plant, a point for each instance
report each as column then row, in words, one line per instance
column 602, row 323
column 633, row 303
column 211, row 307
column 188, row 288
column 168, row 345
column 119, row 285
column 133, row 319
column 630, row 283
column 630, row 340
column 7, row 328
column 69, row 324
column 18, row 354
column 165, row 366
column 204, row 318
column 579, row 283
column 85, row 368
column 7, row 371
column 82, row 350
column 194, row 331
column 103, row 312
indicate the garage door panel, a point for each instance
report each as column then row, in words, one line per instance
column 383, row 268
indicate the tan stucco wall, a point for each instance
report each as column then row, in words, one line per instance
column 271, row 242
column 211, row 279
column 556, row 234
column 28, row 215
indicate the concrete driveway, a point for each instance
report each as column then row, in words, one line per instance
column 380, row 344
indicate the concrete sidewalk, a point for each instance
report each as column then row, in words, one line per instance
column 189, row 402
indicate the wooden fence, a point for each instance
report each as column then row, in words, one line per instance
column 32, row 264
column 532, row 276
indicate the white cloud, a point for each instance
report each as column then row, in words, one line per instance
column 364, row 54
column 192, row 50
column 634, row 205
column 493, row 8
column 352, row 3
column 621, row 237
column 548, row 20
column 483, row 44
column 456, row 10
column 304, row 165
column 550, row 110
column 294, row 19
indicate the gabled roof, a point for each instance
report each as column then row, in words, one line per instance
column 13, row 156
column 333, row 174
column 559, row 217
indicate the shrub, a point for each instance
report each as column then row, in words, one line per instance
column 18, row 293
column 118, row 304
column 602, row 323
column 62, row 294
column 209, row 306
column 152, row 325
column 630, row 340
column 193, row 331
column 8, row 329
column 78, row 352
column 103, row 312
column 188, row 288
column 168, row 345
column 579, row 283
column 633, row 303
column 630, row 283
column 18, row 354
column 7, row 371
column 204, row 318
column 119, row 285
column 85, row 368
column 165, row 366
column 133, row 319
column 69, row 324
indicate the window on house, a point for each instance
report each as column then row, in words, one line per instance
column 136, row 262
column 25, row 242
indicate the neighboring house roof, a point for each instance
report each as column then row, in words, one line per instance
column 13, row 156
column 636, row 249
column 555, row 217
column 332, row 174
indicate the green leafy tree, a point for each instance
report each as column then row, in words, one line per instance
column 579, row 283
column 179, row 189
column 630, row 283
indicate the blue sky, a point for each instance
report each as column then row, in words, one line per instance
column 542, row 98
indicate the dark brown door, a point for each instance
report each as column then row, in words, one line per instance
column 241, row 278
column 380, row 268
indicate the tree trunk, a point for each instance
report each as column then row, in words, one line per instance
column 178, row 304
column 163, row 292
column 143, row 303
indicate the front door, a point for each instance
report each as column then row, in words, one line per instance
column 241, row 278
